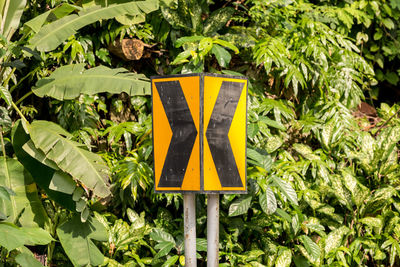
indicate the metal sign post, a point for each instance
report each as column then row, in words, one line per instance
column 199, row 146
column 212, row 230
column 189, row 217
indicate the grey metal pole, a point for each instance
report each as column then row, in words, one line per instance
column 189, row 214
column 212, row 230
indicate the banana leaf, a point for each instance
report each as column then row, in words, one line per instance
column 41, row 173
column 68, row 82
column 25, row 206
column 53, row 34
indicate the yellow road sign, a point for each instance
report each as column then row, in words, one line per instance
column 199, row 133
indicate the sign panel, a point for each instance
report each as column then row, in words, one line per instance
column 199, row 133
column 176, row 145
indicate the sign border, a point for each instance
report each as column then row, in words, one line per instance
column 201, row 126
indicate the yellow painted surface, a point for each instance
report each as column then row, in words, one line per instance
column 237, row 137
column 162, row 133
column 237, row 134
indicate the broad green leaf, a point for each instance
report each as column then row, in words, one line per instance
column 240, row 206
column 5, row 120
column 305, row 151
column 2, row 216
column 171, row 261
column 227, row 45
column 68, row 82
column 27, row 259
column 37, row 154
column 58, row 12
column 10, row 236
column 268, row 201
column 201, row 244
column 81, row 164
column 222, row 55
column 252, row 130
column 188, row 39
column 62, row 182
column 378, row 35
column 218, row 19
column 136, row 220
column 316, row 227
column 272, row 123
column 388, row 23
column 379, row 255
column 76, row 239
column 37, row 22
column 295, row 223
column 301, row 261
column 334, row 238
column 312, row 249
column 35, row 236
column 131, row 20
column 253, row 254
column 284, row 258
column 327, row 132
column 373, row 222
column 181, row 57
column 25, row 206
column 10, row 17
column 358, row 192
column 262, row 160
column 286, row 189
column 5, row 95
column 53, row 34
column 392, row 77
column 395, row 4
column 161, row 236
column 284, row 215
column 164, row 248
column 273, row 143
column 41, row 173
column 78, row 193
column 6, row 193
column 341, row 192
column 205, row 45
column 175, row 19
column 379, row 199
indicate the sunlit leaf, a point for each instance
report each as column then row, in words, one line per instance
column 53, row 34
column 76, row 239
column 81, row 164
column 312, row 248
column 268, row 201
column 286, row 189
column 240, row 206
column 68, row 82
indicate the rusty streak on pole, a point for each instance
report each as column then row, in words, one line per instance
column 189, row 214
column 212, row 230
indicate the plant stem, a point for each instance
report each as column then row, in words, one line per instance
column 22, row 79
column 9, row 77
column 19, row 112
column 51, row 245
column 386, row 122
column 23, row 98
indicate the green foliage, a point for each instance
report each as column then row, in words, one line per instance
column 24, row 204
column 76, row 178
column 56, row 145
column 53, row 34
column 76, row 239
column 68, row 82
column 10, row 16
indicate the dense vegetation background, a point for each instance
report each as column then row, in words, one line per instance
column 76, row 182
